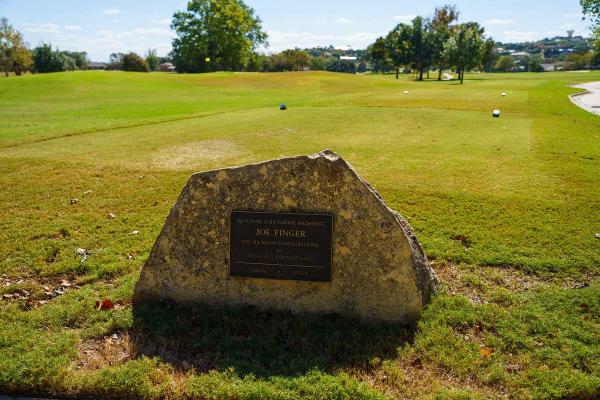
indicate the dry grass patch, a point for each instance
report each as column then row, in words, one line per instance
column 194, row 155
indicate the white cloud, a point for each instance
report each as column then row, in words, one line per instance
column 404, row 18
column 72, row 27
column 567, row 26
column 342, row 20
column 139, row 40
column 496, row 21
column 279, row 40
column 520, row 36
column 164, row 21
column 47, row 27
column 112, row 11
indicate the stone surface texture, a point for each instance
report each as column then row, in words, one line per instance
column 379, row 271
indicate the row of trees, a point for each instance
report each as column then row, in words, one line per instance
column 438, row 43
column 47, row 59
column 299, row 60
column 508, row 63
column 134, row 62
column 224, row 35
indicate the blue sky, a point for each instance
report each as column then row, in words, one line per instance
column 102, row 27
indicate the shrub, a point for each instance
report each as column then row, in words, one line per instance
column 133, row 62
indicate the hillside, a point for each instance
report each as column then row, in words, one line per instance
column 505, row 208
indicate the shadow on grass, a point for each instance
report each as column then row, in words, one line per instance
column 262, row 343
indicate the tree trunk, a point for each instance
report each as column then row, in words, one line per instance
column 462, row 76
column 6, row 72
column 440, row 72
column 397, row 72
column 428, row 72
column 421, row 73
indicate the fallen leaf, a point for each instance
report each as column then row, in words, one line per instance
column 134, row 232
column 74, row 201
column 105, row 304
column 486, row 352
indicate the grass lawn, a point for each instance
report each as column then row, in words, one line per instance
column 506, row 208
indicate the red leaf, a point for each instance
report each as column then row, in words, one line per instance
column 106, row 304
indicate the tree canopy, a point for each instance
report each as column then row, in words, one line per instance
column 133, row 62
column 436, row 42
column 14, row 55
column 215, row 35
column 591, row 9
column 463, row 49
column 152, row 59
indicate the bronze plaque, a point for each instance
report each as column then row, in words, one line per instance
column 281, row 245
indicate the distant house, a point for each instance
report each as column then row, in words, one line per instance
column 520, row 54
column 166, row 67
column 97, row 65
column 549, row 67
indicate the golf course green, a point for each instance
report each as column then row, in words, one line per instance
column 507, row 210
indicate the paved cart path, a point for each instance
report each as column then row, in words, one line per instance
column 589, row 101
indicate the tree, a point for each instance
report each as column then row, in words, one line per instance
column 535, row 64
column 69, row 63
column 576, row 62
column 79, row 58
column 440, row 33
column 399, row 43
column 489, row 56
column 215, row 35
column 341, row 66
column 133, row 62
column 14, row 55
column 152, row 59
column 295, row 59
column 47, row 60
column 418, row 44
column 116, row 61
column 591, row 9
column 463, row 49
column 378, row 54
column 254, row 62
column 318, row 64
column 505, row 64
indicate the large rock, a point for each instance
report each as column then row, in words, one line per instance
column 378, row 268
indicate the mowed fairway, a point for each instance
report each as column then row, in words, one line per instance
column 507, row 208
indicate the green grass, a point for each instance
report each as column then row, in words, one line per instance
column 522, row 192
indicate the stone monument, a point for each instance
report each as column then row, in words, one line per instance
column 304, row 234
